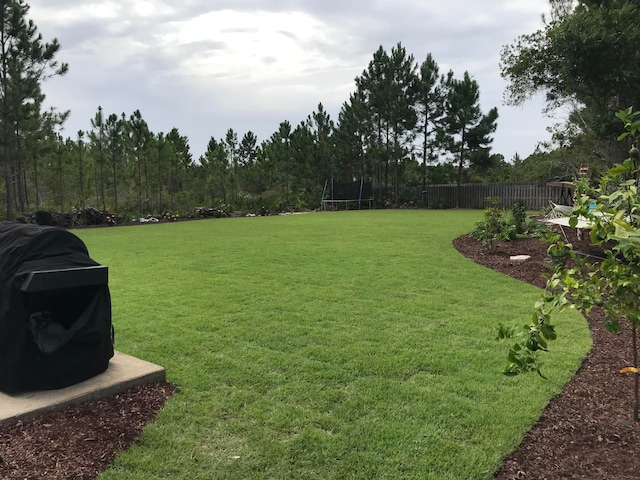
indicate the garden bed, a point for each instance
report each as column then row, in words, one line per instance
column 585, row 432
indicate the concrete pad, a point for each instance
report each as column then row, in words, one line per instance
column 124, row 372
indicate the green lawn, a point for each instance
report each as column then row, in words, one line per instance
column 347, row 345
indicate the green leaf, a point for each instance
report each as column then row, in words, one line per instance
column 613, row 326
column 623, row 136
column 540, row 373
column 511, row 370
column 548, row 332
column 542, row 343
column 619, row 169
column 622, row 229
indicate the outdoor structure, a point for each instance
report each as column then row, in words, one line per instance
column 55, row 309
column 337, row 195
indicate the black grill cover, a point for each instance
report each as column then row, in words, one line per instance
column 53, row 333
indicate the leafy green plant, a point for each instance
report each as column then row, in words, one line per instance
column 559, row 252
column 499, row 224
column 493, row 226
column 506, row 332
column 613, row 211
column 519, row 214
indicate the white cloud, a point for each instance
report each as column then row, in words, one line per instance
column 249, row 47
column 206, row 66
column 58, row 16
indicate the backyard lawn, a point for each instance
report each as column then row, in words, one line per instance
column 344, row 345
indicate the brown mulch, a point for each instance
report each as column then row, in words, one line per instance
column 584, row 433
column 79, row 442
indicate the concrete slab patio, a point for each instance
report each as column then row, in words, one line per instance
column 124, row 372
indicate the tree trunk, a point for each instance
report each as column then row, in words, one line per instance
column 160, row 202
column 139, row 185
column 460, row 165
column 635, row 364
column 35, row 181
column 5, row 116
column 146, row 182
column 81, row 179
column 424, row 158
column 115, row 184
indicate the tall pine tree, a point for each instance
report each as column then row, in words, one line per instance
column 468, row 129
column 25, row 61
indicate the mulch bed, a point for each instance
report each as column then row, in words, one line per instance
column 584, row 433
column 79, row 442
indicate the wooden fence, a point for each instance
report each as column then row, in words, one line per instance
column 535, row 196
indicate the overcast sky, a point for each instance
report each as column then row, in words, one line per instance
column 206, row 66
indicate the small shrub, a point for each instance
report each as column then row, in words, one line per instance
column 499, row 224
column 519, row 213
column 493, row 227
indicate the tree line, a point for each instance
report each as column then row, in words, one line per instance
column 405, row 125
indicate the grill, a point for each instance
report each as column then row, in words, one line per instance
column 55, row 310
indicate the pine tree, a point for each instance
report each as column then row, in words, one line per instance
column 467, row 128
column 353, row 136
column 25, row 61
column 98, row 146
column 114, row 131
column 139, row 131
column 180, row 163
column 430, row 109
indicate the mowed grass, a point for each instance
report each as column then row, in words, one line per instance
column 346, row 345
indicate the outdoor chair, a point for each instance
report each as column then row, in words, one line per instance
column 558, row 211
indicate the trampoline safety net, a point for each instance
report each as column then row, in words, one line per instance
column 336, row 193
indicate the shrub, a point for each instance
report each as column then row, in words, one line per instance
column 499, row 224
column 519, row 214
column 493, row 226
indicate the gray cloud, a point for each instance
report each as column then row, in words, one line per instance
column 133, row 56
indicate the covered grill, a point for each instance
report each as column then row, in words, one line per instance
column 55, row 309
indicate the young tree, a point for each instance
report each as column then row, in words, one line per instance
column 612, row 210
column 25, row 61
